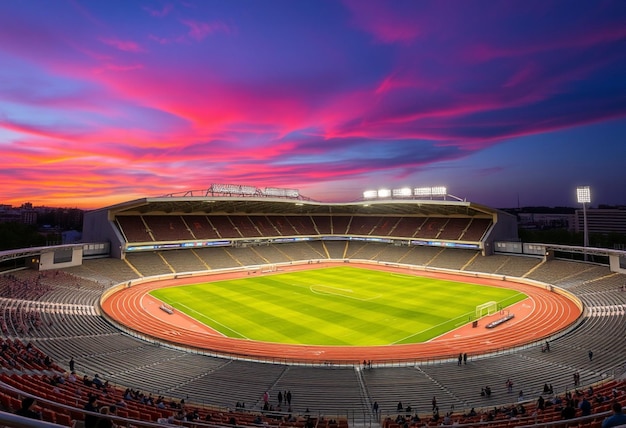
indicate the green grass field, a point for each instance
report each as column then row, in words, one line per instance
column 334, row 306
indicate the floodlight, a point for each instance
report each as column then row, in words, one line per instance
column 404, row 192
column 369, row 194
column 422, row 191
column 584, row 194
column 248, row 190
column 233, row 189
column 384, row 193
column 273, row 191
column 292, row 193
column 439, row 191
column 220, row 188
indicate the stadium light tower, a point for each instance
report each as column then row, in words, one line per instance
column 584, row 197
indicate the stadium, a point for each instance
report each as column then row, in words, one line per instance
column 91, row 303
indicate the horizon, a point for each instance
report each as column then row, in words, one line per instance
column 507, row 104
column 521, row 207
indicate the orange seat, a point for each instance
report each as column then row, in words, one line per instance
column 63, row 419
column 48, row 415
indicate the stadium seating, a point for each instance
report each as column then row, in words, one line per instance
column 60, row 318
column 168, row 228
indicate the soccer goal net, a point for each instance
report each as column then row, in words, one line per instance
column 269, row 268
column 488, row 308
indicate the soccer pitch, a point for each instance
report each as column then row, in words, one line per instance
column 334, row 306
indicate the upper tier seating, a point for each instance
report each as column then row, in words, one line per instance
column 193, row 227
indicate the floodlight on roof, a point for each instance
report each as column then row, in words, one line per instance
column 233, row 189
column 430, row 191
column 439, row 191
column 402, row 193
column 248, row 190
column 422, row 191
column 384, row 193
column 225, row 188
column 370, row 194
column 275, row 191
column 583, row 194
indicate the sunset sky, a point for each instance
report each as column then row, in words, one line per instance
column 501, row 101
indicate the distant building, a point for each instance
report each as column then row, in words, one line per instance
column 531, row 220
column 63, row 218
column 8, row 214
column 601, row 220
column 28, row 216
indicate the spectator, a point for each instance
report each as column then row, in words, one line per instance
column 617, row 418
column 541, row 403
column 27, row 409
column 569, row 411
column 91, row 421
column 585, row 407
column 97, row 382
column 106, row 422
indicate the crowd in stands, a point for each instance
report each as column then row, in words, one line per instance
column 16, row 355
column 37, row 375
column 30, row 288
column 548, row 407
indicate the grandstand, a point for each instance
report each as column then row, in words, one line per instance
column 225, row 216
column 176, row 235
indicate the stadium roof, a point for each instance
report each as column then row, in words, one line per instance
column 202, row 205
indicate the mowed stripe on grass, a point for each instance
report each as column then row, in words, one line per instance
column 334, row 306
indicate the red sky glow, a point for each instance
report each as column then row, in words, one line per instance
column 499, row 101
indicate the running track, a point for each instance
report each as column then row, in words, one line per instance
column 536, row 318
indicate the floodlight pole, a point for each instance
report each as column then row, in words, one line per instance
column 585, row 233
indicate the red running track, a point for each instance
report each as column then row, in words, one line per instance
column 536, row 318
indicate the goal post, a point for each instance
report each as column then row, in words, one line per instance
column 488, row 308
column 269, row 268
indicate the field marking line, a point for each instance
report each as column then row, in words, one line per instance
column 430, row 328
column 450, row 320
column 402, row 275
column 211, row 319
column 349, row 290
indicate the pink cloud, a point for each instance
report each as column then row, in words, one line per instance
column 122, row 45
column 159, row 40
column 199, row 30
column 119, row 67
column 159, row 13
column 483, row 52
column 386, row 21
column 39, row 131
